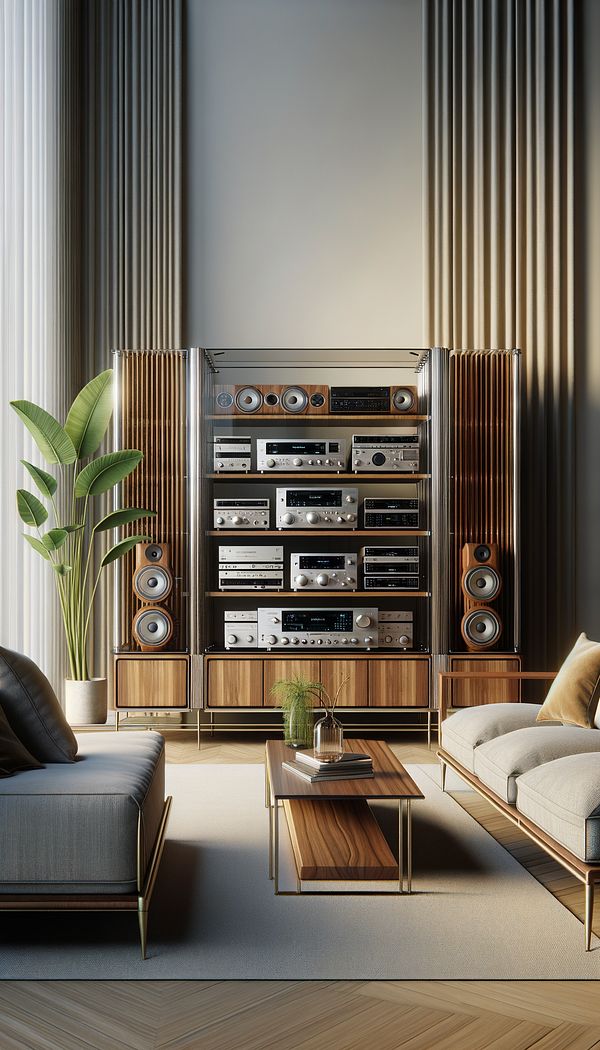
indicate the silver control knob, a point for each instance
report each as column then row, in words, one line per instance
column 341, row 463
column 295, row 641
column 404, row 639
column 329, row 642
column 350, row 499
column 334, row 576
column 301, row 580
column 288, row 519
column 271, row 640
column 362, row 620
column 303, row 640
column 220, row 464
column 311, row 641
column 358, row 462
column 270, row 462
column 354, row 641
column 322, row 579
column 297, row 462
column 339, row 519
column 329, row 462
column 344, row 641
column 284, row 641
column 249, row 637
column 220, row 521
column 231, row 639
column 310, row 462
column 350, row 517
column 312, row 517
column 368, row 640
column 236, row 520
column 388, row 638
column 349, row 579
column 274, row 619
column 319, row 641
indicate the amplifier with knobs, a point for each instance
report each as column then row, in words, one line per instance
column 311, row 628
column 386, row 452
column 395, row 629
column 232, row 452
column 318, row 454
column 240, row 629
column 242, row 513
column 307, row 508
column 316, row 572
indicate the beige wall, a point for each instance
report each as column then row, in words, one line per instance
column 304, row 123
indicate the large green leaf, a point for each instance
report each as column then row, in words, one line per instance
column 53, row 442
column 31, row 511
column 72, row 528
column 101, row 474
column 123, row 547
column 89, row 415
column 123, row 516
column 37, row 546
column 54, row 539
column 45, row 482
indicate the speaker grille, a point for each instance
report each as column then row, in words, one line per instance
column 153, row 627
column 482, row 584
column 481, row 628
column 248, row 399
column 294, row 399
column 152, row 583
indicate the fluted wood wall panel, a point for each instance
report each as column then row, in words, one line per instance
column 483, row 465
column 40, row 263
column 499, row 227
column 153, row 418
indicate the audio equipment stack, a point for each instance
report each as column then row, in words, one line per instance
column 242, row 513
column 306, row 508
column 396, row 513
column 152, row 626
column 232, row 452
column 390, row 568
column 481, row 626
column 251, row 568
column 241, row 628
column 395, row 629
column 371, row 400
column 386, row 452
column 315, row 572
column 318, row 454
column 342, row 628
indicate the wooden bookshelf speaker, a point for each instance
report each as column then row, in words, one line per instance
column 481, row 582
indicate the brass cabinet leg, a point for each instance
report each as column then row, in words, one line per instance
column 400, row 848
column 408, row 846
column 143, row 924
column 116, row 721
column 443, row 772
column 276, row 845
column 589, row 914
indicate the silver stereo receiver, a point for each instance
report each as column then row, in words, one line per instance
column 395, row 630
column 237, row 572
column 318, row 454
column 307, row 508
column 344, row 628
column 383, row 513
column 316, row 572
column 242, row 513
column 390, row 568
column 386, row 452
column 232, row 452
column 240, row 629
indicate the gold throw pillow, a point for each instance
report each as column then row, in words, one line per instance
column 573, row 696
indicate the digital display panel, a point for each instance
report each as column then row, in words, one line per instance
column 322, row 561
column 304, row 448
column 323, row 621
column 313, row 497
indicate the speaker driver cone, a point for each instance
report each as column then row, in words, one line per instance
column 482, row 584
column 294, row 399
column 481, row 628
column 152, row 628
column 152, row 584
column 403, row 399
column 248, row 399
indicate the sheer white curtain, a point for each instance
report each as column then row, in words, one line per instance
column 39, row 288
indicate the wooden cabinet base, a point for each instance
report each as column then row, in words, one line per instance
column 157, row 681
column 480, row 690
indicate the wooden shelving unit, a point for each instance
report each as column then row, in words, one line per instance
column 374, row 534
column 310, row 595
column 340, row 420
column 357, row 478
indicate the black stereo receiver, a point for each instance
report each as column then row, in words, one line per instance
column 359, row 399
column 380, row 513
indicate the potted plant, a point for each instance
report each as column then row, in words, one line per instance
column 297, row 696
column 73, row 541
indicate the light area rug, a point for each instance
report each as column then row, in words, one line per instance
column 475, row 912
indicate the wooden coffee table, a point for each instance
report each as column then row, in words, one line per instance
column 333, row 831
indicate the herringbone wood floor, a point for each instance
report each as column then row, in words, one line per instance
column 449, row 1015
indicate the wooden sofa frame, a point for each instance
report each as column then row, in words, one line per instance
column 588, row 874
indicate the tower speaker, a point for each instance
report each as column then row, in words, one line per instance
column 481, row 583
column 152, row 583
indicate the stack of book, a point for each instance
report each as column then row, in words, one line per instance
column 351, row 766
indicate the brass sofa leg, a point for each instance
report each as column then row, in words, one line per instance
column 589, row 914
column 443, row 774
column 143, row 924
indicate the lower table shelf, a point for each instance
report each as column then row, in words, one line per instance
column 338, row 840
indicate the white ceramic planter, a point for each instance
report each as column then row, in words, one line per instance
column 86, row 702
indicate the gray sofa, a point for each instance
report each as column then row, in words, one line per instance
column 88, row 834
column 544, row 777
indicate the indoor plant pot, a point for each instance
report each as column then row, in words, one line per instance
column 86, row 701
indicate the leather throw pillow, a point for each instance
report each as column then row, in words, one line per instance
column 14, row 757
column 33, row 711
column 573, row 696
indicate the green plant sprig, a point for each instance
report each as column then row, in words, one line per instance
column 71, row 548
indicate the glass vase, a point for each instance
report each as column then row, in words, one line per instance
column 328, row 739
column 298, row 726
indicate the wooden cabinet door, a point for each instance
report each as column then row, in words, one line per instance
column 480, row 691
column 274, row 670
column 398, row 683
column 147, row 682
column 355, row 691
column 235, row 683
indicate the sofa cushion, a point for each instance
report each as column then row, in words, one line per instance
column 82, row 818
column 14, row 756
column 33, row 711
column 563, row 799
column 465, row 730
column 499, row 762
column 573, row 696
